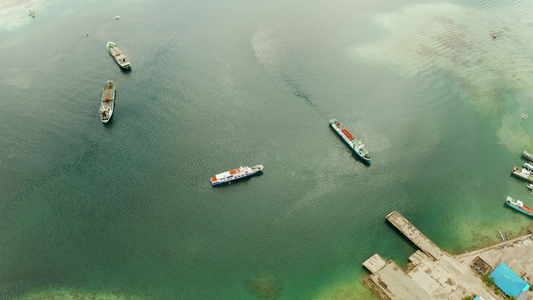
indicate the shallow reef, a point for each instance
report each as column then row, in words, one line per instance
column 264, row 286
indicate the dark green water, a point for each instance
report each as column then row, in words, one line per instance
column 127, row 207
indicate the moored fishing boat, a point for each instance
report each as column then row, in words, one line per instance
column 519, row 205
column 239, row 173
column 356, row 145
column 528, row 166
column 522, row 173
column 121, row 59
column 527, row 155
column 107, row 105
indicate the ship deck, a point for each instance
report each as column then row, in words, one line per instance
column 120, row 56
column 528, row 210
column 111, row 93
column 523, row 176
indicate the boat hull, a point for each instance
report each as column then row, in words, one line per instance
column 525, row 210
column 518, row 209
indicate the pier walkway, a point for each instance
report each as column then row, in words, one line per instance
column 415, row 235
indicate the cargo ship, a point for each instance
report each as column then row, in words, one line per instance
column 357, row 146
column 107, row 105
column 523, row 173
column 121, row 59
column 518, row 205
column 239, row 173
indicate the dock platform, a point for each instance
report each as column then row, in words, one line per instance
column 404, row 286
column 433, row 273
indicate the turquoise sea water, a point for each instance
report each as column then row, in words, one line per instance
column 126, row 209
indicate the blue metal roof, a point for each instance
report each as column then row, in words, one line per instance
column 508, row 281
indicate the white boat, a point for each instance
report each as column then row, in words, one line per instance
column 523, row 173
column 117, row 18
column 121, row 59
column 239, row 173
column 523, row 116
column 108, row 101
column 530, row 186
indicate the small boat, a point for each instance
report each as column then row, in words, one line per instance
column 239, row 173
column 121, row 59
column 530, row 186
column 87, row 34
column 524, row 116
column 356, row 145
column 108, row 101
column 493, row 35
column 32, row 14
column 527, row 155
column 501, row 236
column 117, row 18
column 519, row 205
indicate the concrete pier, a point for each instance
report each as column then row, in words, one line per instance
column 435, row 274
column 415, row 235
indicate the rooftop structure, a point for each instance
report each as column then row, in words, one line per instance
column 508, row 281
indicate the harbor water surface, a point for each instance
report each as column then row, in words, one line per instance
column 127, row 209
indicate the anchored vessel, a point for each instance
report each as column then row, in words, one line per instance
column 527, row 155
column 108, row 101
column 121, row 59
column 528, row 166
column 357, row 146
column 241, row 172
column 523, row 173
column 518, row 205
